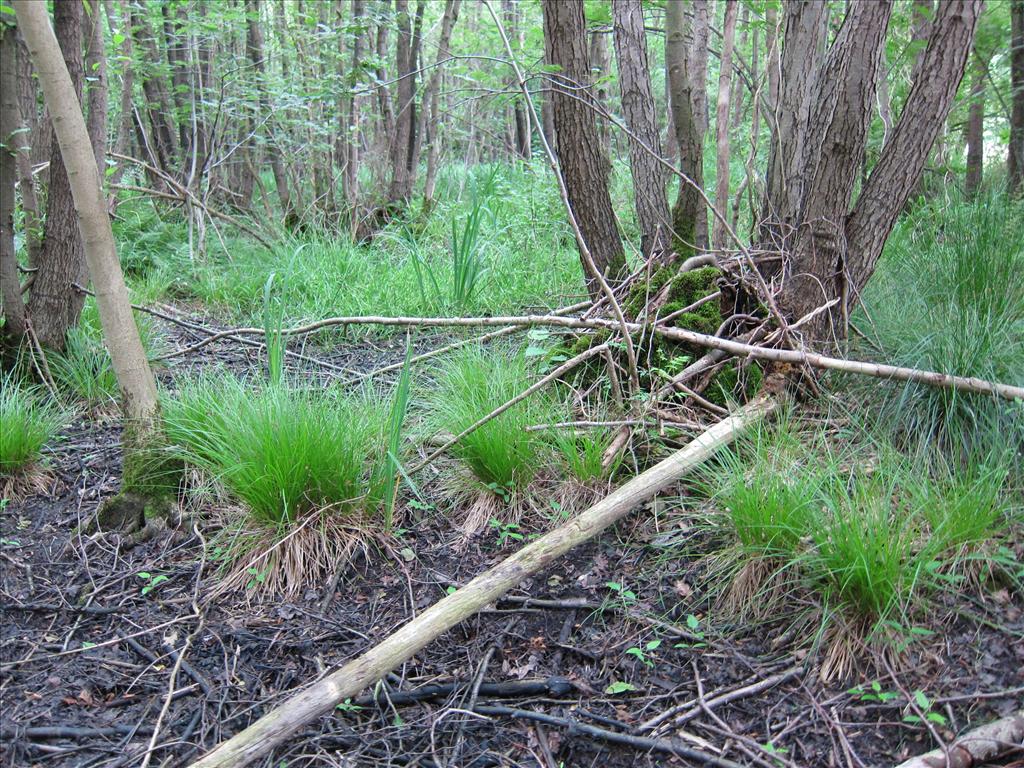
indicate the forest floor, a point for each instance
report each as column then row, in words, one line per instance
column 89, row 674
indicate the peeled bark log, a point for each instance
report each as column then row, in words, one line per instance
column 279, row 724
column 639, row 112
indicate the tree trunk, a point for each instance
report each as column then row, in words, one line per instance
column 804, row 40
column 774, row 62
column 687, row 133
column 134, row 377
column 97, row 89
column 254, row 47
column 430, row 126
column 520, row 115
column 923, row 116
column 639, row 112
column 584, row 166
column 54, row 305
column 174, row 22
column 600, row 64
column 163, row 136
column 698, row 55
column 401, row 180
column 350, row 178
column 415, row 64
column 718, row 238
column 976, row 127
column 920, row 27
column 123, row 140
column 1015, row 160
column 28, row 119
column 831, row 163
column 13, row 308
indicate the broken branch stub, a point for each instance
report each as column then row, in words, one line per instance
column 320, row 698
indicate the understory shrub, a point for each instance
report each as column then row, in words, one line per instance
column 28, row 421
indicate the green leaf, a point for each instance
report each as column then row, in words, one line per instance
column 619, row 687
column 653, row 645
column 922, row 700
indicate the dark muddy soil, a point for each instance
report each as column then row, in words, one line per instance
column 90, row 673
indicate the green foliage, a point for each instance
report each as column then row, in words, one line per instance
column 281, row 451
column 28, row 421
column 471, row 384
column 871, row 530
column 582, row 452
column 948, row 296
column 84, row 369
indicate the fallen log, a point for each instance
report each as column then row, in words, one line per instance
column 987, row 742
column 321, row 697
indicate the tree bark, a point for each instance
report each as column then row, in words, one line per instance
column 28, row 119
column 976, row 127
column 13, row 309
column 174, row 22
column 401, row 180
column 718, row 238
column 639, row 112
column 1015, row 159
column 831, row 164
column 97, row 89
column 350, row 177
column 774, row 61
column 520, row 116
column 688, row 138
column 430, row 124
column 698, row 55
column 163, row 138
column 600, row 64
column 584, row 165
column 803, row 43
column 923, row 116
column 254, row 47
column 920, row 27
column 54, row 305
column 135, row 379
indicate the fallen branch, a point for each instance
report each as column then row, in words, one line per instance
column 280, row 723
column 734, row 348
column 977, row 747
column 549, row 686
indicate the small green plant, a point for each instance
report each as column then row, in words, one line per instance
column 924, row 706
column 28, row 421
column 151, row 581
column 618, row 687
column 874, row 692
column 641, row 653
column 506, row 531
column 627, row 596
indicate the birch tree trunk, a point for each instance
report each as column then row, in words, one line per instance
column 54, row 305
column 639, row 112
column 718, row 238
column 134, row 377
column 584, row 165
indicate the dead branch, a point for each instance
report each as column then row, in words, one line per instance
column 280, row 723
column 796, row 357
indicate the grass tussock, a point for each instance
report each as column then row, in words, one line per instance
column 28, row 422
column 868, row 534
column 948, row 296
column 308, row 474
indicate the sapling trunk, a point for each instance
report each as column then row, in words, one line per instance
column 144, row 484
